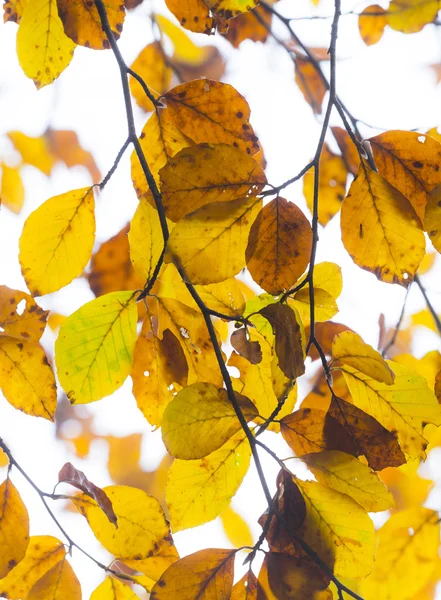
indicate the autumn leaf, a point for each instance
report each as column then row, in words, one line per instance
column 248, row 27
column 200, row 419
column 212, row 112
column 42, row 554
column 65, row 146
column 145, row 239
column 12, row 193
column 380, row 229
column 14, row 528
column 410, row 162
column 151, row 66
column 20, row 315
column 141, row 521
column 371, row 24
column 207, row 573
column 95, row 346
column 327, row 277
column 192, row 14
column 279, row 246
column 236, row 528
column 60, row 583
column 154, row 566
column 246, row 588
column 310, row 82
column 250, row 350
column 82, row 23
column 409, row 16
column 210, row 243
column 348, row 149
column 26, row 378
column 198, row 490
column 13, row 10
column 34, row 151
column 204, row 174
column 114, row 589
column 349, row 349
column 226, row 298
column 63, row 226
column 325, row 306
column 43, row 48
column 432, row 217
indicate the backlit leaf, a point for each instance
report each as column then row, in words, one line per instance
column 405, row 407
column 42, row 554
column 327, row 277
column 250, row 350
column 310, row 83
column 57, row 240
column 26, row 378
column 432, row 218
column 200, row 419
column 348, row 149
column 204, row 575
column 348, row 475
column 236, row 528
column 246, row 588
column 43, row 48
column 20, row 315
column 279, row 246
column 410, row 16
column 325, row 307
column 212, row 112
column 14, row 527
column 113, row 589
column 349, row 349
column 151, row 66
column 82, row 23
column 203, row 174
column 154, row 566
column 192, row 14
column 247, row 27
column 34, row 151
column 410, row 161
column 199, row 490
column 226, row 297
column 210, row 242
column 95, row 346
column 65, row 146
column 145, row 239
column 12, row 193
column 380, row 229
column 141, row 521
column 60, row 583
column 371, row 24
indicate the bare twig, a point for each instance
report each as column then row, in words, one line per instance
column 429, row 304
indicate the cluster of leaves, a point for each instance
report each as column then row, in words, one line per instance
column 203, row 216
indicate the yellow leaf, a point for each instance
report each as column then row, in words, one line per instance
column 192, row 14
column 189, row 327
column 82, row 23
column 236, row 528
column 65, row 146
column 349, row 349
column 226, row 297
column 12, row 193
column 406, row 555
column 13, row 9
column 43, row 49
column 406, row 406
column 338, row 529
column 432, row 218
column 151, row 66
column 154, row 566
column 429, row 259
column 205, row 574
column 332, row 185
column 34, row 151
column 113, row 589
column 160, row 140
column 60, row 583
column 204, row 174
column 231, row 8
column 210, row 242
column 159, row 368
column 43, row 553
column 406, row 486
column 4, row 460
column 200, row 419
column 197, row 491
column 279, row 246
column 20, row 315
column 310, row 83
column 145, row 239
column 26, row 378
column 141, row 522
column 346, row 474
column 428, row 366
column 14, row 527
column 371, row 24
column 410, row 162
column 247, row 27
column 212, row 112
column 111, row 269
column 410, row 16
column 95, row 346
column 325, row 307
column 380, row 229
column 327, row 277
column 57, row 241
column 185, row 49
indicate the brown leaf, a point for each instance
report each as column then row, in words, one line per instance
column 65, row 146
column 246, row 588
column 348, row 149
column 69, row 474
column 370, row 438
column 288, row 335
column 246, row 348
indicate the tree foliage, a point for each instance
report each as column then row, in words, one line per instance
column 213, row 302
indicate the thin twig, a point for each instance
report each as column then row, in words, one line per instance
column 429, row 304
column 393, row 339
column 113, row 168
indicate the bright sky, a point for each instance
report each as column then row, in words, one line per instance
column 388, row 85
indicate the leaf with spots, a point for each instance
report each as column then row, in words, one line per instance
column 57, row 241
column 200, row 419
column 192, row 14
column 197, row 491
column 82, row 22
column 20, row 315
column 43, row 48
column 380, row 229
column 60, row 583
column 212, row 112
column 42, row 554
column 95, row 346
column 142, row 525
column 371, row 24
column 26, row 378
column 432, row 218
column 13, row 10
column 14, row 527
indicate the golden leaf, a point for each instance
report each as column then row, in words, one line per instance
column 20, row 315
column 236, row 528
column 113, row 589
column 150, row 64
column 432, row 217
column 310, row 82
column 226, row 297
column 12, row 193
column 145, row 239
column 371, row 24
column 82, row 22
column 60, row 583
column 192, row 14
column 410, row 16
column 34, row 151
column 14, row 527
